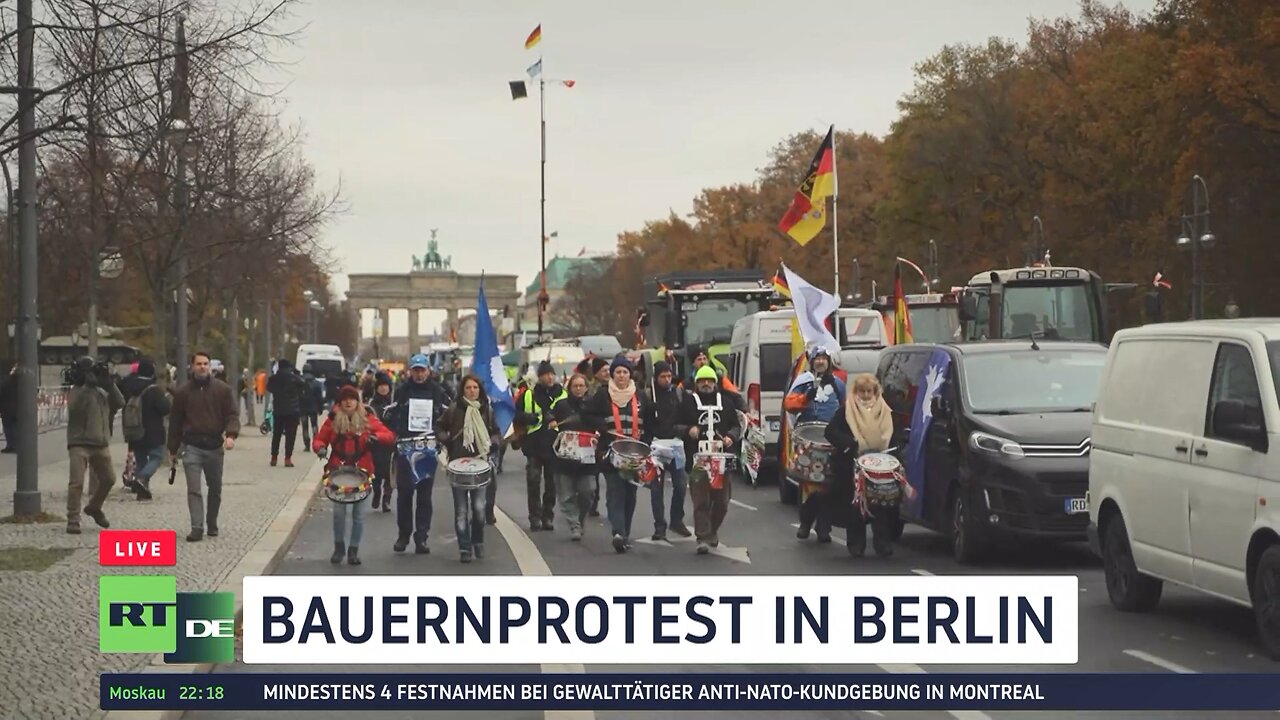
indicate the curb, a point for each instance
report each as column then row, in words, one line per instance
column 261, row 559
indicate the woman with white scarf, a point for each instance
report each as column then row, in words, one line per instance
column 618, row 411
column 467, row 429
column 863, row 425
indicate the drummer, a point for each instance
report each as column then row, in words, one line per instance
column 575, row 481
column 351, row 430
column 815, row 397
column 710, row 504
column 467, row 430
column 618, row 411
column 863, row 425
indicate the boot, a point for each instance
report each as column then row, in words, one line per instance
column 338, row 550
column 353, row 555
column 274, row 460
column 288, row 461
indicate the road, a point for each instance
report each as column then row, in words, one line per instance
column 1189, row 633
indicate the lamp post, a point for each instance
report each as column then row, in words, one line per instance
column 307, row 296
column 1192, row 238
column 933, row 264
column 315, row 320
column 1037, row 249
column 1232, row 310
column 856, row 295
column 377, row 333
column 180, row 133
column 26, row 496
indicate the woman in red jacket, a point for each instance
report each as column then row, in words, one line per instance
column 351, row 429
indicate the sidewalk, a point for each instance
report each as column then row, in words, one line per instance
column 49, row 617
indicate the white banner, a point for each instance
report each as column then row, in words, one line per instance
column 813, row 306
column 649, row 620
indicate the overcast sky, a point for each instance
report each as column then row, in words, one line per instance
column 406, row 103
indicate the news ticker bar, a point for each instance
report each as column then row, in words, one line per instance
column 672, row 691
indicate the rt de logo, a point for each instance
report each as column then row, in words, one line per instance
column 147, row 614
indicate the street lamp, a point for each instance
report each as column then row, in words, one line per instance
column 315, row 319
column 856, row 296
column 933, row 263
column 1193, row 238
column 1038, row 249
column 1232, row 310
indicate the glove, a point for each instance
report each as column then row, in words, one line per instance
column 322, row 452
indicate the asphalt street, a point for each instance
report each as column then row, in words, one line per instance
column 1189, row 633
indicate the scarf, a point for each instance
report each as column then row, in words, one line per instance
column 872, row 427
column 619, row 396
column 475, row 434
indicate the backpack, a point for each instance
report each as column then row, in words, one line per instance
column 131, row 418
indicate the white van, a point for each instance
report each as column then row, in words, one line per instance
column 1184, row 475
column 325, row 360
column 760, row 363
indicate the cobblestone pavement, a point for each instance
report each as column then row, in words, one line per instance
column 49, row 620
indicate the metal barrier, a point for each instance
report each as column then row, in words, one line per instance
column 51, row 406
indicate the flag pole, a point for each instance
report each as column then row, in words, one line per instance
column 542, row 236
column 835, row 194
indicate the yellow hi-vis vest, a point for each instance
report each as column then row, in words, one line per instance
column 532, row 408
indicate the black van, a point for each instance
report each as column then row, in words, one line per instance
column 1005, row 453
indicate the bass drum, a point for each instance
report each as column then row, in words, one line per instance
column 811, row 454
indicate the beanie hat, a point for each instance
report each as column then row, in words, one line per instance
column 599, row 363
column 545, row 368
column 660, row 367
column 348, row 392
column 383, row 379
column 145, row 369
column 620, row 361
column 706, row 372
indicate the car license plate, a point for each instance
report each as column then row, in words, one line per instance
column 775, row 425
column 1076, row 506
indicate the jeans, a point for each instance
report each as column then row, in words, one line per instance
column 620, row 498
column 575, row 496
column 709, row 508
column 288, row 427
column 679, row 487
column 148, row 462
column 199, row 467
column 357, row 522
column 410, row 519
column 97, row 461
column 541, row 484
column 309, row 429
column 468, row 516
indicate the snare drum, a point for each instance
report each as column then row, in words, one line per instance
column 810, row 453
column 575, row 446
column 347, row 484
column 712, row 466
column 469, row 473
column 628, row 456
column 880, row 474
column 421, row 455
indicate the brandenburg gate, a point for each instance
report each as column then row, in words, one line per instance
column 431, row 285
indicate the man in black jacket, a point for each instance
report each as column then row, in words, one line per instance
column 669, row 433
column 154, row 403
column 710, row 402
column 311, row 403
column 534, row 412
column 419, row 404
column 287, row 389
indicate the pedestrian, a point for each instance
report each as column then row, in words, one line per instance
column 419, row 403
column 816, row 399
column 246, row 393
column 90, row 404
column 711, row 415
column 203, row 424
column 312, row 404
column 367, row 385
column 620, row 412
column 287, row 389
column 575, row 469
column 599, row 381
column 381, row 453
column 9, row 410
column 535, row 408
column 863, row 425
column 142, row 423
column 668, row 433
column 352, row 430
column 468, row 430
column 260, row 385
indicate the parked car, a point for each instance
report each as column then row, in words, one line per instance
column 1184, row 480
column 1005, row 451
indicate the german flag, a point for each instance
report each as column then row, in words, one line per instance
column 901, row 315
column 780, row 284
column 807, row 214
column 534, row 38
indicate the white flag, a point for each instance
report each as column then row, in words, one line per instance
column 813, row 306
column 535, row 69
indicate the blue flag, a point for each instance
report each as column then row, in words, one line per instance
column 486, row 364
column 928, row 386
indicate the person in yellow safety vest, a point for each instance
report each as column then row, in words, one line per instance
column 536, row 404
